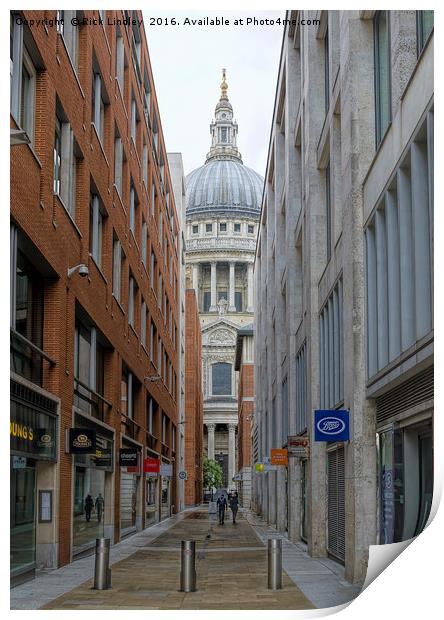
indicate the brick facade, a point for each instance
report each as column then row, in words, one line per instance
column 54, row 241
column 193, row 401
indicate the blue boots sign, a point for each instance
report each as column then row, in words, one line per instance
column 332, row 425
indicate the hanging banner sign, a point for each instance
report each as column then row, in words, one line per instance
column 151, row 466
column 82, row 441
column 279, row 456
column 128, row 457
column 166, row 469
column 332, row 425
column 298, row 446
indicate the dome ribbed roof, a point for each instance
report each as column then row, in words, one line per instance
column 224, row 186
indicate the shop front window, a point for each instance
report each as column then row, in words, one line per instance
column 89, row 500
column 128, row 500
column 151, row 505
column 166, row 499
column 22, row 510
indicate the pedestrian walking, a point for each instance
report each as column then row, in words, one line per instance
column 234, row 505
column 100, row 503
column 89, row 504
column 221, row 507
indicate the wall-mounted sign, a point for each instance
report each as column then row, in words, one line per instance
column 45, row 506
column 128, row 457
column 32, row 432
column 19, row 462
column 183, row 475
column 151, row 466
column 278, row 456
column 166, row 469
column 298, row 446
column 332, row 425
column 82, row 441
column 44, row 439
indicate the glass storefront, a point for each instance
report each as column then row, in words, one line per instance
column 128, row 500
column 151, row 500
column 304, row 506
column 165, row 510
column 90, row 471
column 33, row 438
column 22, row 510
column 405, row 481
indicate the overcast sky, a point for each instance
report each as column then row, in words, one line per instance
column 187, row 63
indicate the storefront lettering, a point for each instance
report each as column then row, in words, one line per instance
column 22, row 431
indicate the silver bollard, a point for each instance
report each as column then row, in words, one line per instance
column 102, row 572
column 274, row 564
column 188, row 566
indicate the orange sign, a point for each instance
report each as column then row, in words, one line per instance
column 278, row 456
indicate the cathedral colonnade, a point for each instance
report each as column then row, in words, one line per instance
column 240, row 280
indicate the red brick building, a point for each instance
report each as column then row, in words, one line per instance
column 94, row 287
column 244, row 364
column 193, row 402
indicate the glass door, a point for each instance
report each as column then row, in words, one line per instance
column 425, row 454
column 22, row 533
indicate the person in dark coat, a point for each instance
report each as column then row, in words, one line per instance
column 234, row 505
column 89, row 503
column 100, row 503
column 221, row 507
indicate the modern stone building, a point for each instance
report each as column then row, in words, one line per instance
column 343, row 280
column 94, row 289
column 223, row 206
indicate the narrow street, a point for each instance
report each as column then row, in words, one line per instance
column 231, row 565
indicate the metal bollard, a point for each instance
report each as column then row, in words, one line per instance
column 188, row 566
column 102, row 572
column 274, row 564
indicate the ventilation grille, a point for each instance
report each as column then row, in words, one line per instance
column 31, row 398
column 336, row 503
column 405, row 396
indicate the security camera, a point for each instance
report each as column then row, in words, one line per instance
column 83, row 271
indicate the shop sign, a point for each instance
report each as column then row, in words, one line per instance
column 128, row 457
column 32, row 432
column 166, row 469
column 19, row 462
column 103, row 454
column 151, row 466
column 332, row 425
column 298, row 446
column 82, row 441
column 279, row 456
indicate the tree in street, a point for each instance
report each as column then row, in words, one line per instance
column 212, row 474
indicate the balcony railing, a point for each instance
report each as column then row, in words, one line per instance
column 89, row 400
column 27, row 358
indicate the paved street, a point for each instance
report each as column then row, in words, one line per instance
column 231, row 572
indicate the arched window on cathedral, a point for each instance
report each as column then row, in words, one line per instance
column 221, row 379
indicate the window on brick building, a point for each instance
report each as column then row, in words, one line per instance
column 132, row 301
column 153, row 343
column 160, row 292
column 99, row 102
column 117, row 267
column 96, row 215
column 120, row 61
column 118, row 162
column 89, row 368
column 127, row 392
column 146, row 96
column 23, row 80
column 145, row 163
column 153, row 199
column 155, row 133
column 153, row 264
column 134, row 118
column 144, row 241
column 143, row 324
column 134, row 210
column 69, row 33
column 65, row 162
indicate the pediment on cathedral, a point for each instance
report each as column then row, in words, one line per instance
column 220, row 333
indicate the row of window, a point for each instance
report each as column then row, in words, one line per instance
column 67, row 153
column 399, row 247
column 223, row 227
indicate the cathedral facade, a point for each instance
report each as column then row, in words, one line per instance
column 223, row 200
